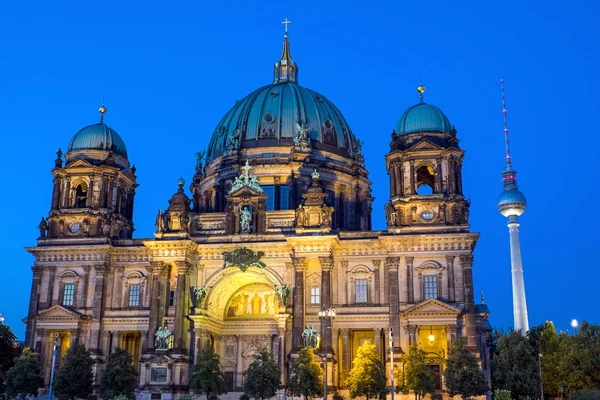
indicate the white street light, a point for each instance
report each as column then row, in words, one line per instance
column 574, row 323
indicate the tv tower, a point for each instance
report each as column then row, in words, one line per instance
column 511, row 204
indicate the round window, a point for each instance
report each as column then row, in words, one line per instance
column 269, row 118
column 427, row 215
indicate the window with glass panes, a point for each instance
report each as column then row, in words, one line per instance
column 277, row 197
column 430, row 287
column 68, row 294
column 360, row 289
column 134, row 295
column 315, row 295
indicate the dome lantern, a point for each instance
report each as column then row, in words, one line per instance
column 286, row 69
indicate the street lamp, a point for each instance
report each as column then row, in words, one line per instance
column 326, row 315
column 1, row 318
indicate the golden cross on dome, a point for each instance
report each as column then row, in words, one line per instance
column 286, row 23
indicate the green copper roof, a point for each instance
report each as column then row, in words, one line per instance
column 423, row 117
column 98, row 137
column 270, row 116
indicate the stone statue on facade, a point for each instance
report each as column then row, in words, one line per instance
column 166, row 222
column 199, row 158
column 245, row 219
column 43, row 227
column 162, row 338
column 300, row 214
column 390, row 215
column 326, row 213
column 160, row 222
column 233, row 142
column 310, row 336
column 283, row 292
column 200, row 293
column 106, row 227
column 184, row 221
column 301, row 138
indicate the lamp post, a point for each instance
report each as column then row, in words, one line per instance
column 53, row 365
column 326, row 315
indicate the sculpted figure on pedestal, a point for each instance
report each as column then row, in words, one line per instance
column 43, row 227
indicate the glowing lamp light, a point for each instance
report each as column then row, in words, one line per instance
column 1, row 318
column 431, row 337
column 574, row 323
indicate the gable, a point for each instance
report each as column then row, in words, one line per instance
column 79, row 163
column 432, row 307
column 245, row 191
column 425, row 144
column 58, row 312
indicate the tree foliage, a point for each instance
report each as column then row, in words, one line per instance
column 367, row 376
column 462, row 375
column 306, row 375
column 75, row 377
column 8, row 352
column 416, row 375
column 119, row 376
column 263, row 376
column 24, row 377
column 515, row 366
column 208, row 378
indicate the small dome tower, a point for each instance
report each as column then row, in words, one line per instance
column 94, row 191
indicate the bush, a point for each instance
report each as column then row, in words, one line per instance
column 586, row 395
column 501, row 394
column 337, row 396
column 244, row 397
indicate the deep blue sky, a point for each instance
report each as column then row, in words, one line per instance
column 170, row 70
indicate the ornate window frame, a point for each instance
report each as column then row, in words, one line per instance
column 361, row 272
column 133, row 277
column 430, row 268
column 313, row 281
column 69, row 277
column 73, row 185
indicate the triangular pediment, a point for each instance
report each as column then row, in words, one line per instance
column 79, row 163
column 60, row 312
column 245, row 191
column 432, row 307
column 425, row 144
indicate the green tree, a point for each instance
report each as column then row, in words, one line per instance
column 263, row 376
column 8, row 352
column 462, row 375
column 24, row 377
column 75, row 378
column 416, row 375
column 119, row 377
column 306, row 375
column 515, row 366
column 207, row 377
column 367, row 376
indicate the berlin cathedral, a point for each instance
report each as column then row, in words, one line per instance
column 274, row 228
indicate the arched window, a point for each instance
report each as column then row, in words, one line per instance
column 425, row 179
column 81, row 192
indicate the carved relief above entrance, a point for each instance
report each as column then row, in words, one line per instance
column 253, row 301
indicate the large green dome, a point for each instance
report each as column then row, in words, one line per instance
column 423, row 117
column 269, row 117
column 98, row 137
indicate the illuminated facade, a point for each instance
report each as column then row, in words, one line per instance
column 277, row 228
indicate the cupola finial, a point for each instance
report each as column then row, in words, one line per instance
column 421, row 90
column 286, row 69
column 102, row 110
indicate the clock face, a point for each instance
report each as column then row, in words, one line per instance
column 427, row 215
column 75, row 227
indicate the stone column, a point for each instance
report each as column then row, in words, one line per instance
column 159, row 272
column 438, row 176
column 98, row 308
column 392, row 172
column 459, row 176
column 451, row 175
column 450, row 334
column 450, row 268
column 119, row 287
column 344, row 288
column 399, row 179
column 326, row 266
column 33, row 304
column 409, row 280
column 84, row 286
column 56, row 193
column 346, row 362
column 181, row 307
column 377, row 333
column 391, row 264
column 413, row 189
column 74, row 334
column 412, row 333
column 298, row 321
column 116, row 340
column 239, row 370
column 282, row 351
column 377, row 291
column 144, row 335
column 50, row 293
column 466, row 262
